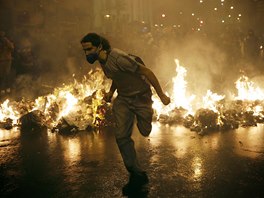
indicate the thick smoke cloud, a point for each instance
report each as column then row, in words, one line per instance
column 55, row 27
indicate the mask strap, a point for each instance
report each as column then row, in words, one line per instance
column 99, row 46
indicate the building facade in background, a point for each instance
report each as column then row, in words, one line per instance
column 77, row 17
column 116, row 15
column 260, row 14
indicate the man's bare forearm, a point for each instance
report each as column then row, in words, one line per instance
column 152, row 79
column 154, row 82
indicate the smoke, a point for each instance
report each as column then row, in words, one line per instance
column 206, row 64
column 52, row 31
column 56, row 27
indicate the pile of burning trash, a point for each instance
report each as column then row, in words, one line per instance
column 238, row 114
column 80, row 106
column 77, row 106
column 216, row 112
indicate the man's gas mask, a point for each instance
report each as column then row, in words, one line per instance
column 91, row 58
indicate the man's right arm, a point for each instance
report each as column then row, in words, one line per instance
column 154, row 82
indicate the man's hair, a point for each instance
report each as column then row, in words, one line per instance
column 96, row 40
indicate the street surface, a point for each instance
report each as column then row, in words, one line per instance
column 179, row 163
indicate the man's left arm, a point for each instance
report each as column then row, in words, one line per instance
column 108, row 96
column 142, row 70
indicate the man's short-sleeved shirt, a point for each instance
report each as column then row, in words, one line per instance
column 121, row 68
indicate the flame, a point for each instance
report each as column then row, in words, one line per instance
column 8, row 112
column 258, row 110
column 247, row 91
column 68, row 102
column 179, row 97
column 81, row 103
column 211, row 109
column 210, row 100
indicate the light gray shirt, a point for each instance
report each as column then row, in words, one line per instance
column 121, row 68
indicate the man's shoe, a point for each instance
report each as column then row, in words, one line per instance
column 138, row 179
column 136, row 183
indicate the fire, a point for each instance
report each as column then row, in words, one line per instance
column 67, row 101
column 210, row 100
column 81, row 104
column 214, row 112
column 247, row 91
column 179, row 97
column 7, row 111
column 76, row 103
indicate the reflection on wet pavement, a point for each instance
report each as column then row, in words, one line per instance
column 179, row 163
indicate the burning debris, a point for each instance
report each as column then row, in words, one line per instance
column 205, row 119
column 80, row 106
column 176, row 116
column 7, row 124
column 64, row 127
column 230, row 119
column 32, row 120
column 239, row 114
column 77, row 106
column 215, row 111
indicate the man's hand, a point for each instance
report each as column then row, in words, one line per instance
column 165, row 99
column 108, row 96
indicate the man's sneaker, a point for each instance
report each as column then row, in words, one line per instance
column 136, row 183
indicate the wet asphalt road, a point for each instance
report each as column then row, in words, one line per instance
column 180, row 163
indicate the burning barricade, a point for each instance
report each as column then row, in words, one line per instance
column 175, row 116
column 207, row 120
column 80, row 106
column 77, row 106
column 215, row 112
